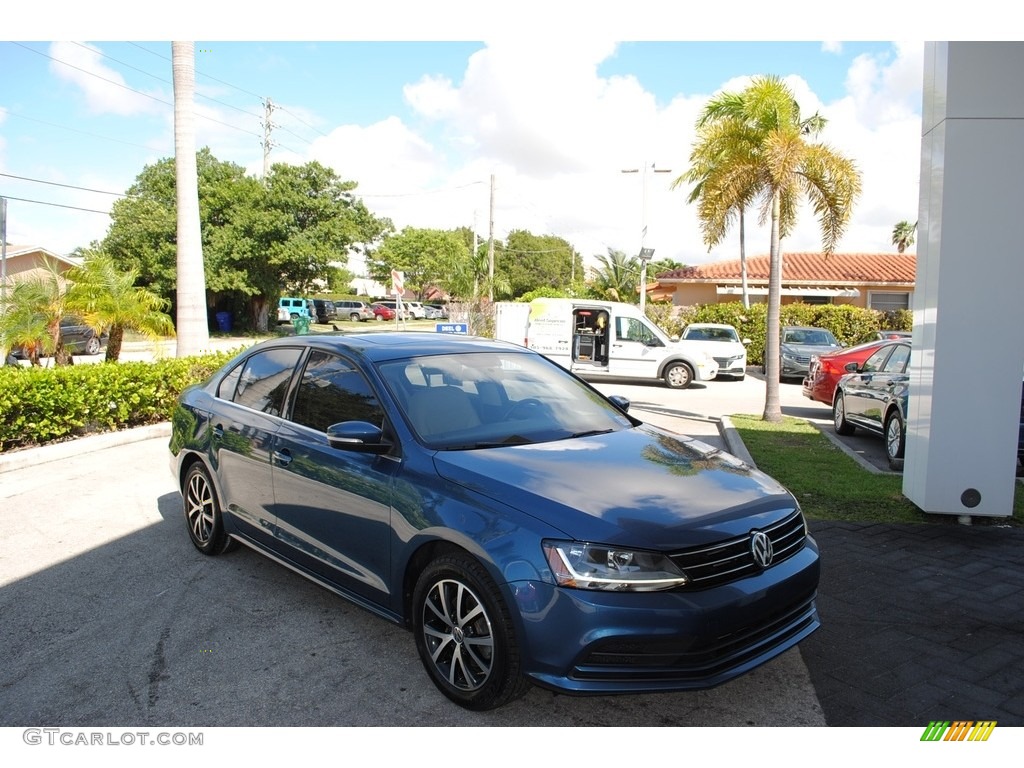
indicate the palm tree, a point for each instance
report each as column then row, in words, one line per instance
column 618, row 276
column 107, row 297
column 31, row 317
column 760, row 152
column 903, row 235
column 193, row 328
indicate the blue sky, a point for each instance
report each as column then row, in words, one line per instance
column 422, row 125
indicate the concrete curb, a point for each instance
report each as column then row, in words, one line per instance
column 29, row 457
column 733, row 441
column 834, row 439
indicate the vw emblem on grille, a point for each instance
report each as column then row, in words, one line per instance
column 761, row 548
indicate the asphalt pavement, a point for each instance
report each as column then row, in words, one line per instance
column 112, row 618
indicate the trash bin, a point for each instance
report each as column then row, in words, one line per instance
column 224, row 321
column 301, row 325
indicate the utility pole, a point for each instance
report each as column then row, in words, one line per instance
column 490, row 248
column 3, row 254
column 268, row 144
column 645, row 253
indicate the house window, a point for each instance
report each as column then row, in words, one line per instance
column 816, row 299
column 885, row 302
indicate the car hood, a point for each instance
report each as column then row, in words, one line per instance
column 642, row 486
column 717, row 348
column 808, row 350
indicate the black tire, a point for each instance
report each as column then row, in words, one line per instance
column 202, row 513
column 678, row 375
column 354, row 317
column 474, row 663
column 895, row 440
column 843, row 427
column 92, row 346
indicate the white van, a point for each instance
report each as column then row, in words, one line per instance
column 602, row 338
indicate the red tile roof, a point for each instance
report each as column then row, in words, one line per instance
column 839, row 268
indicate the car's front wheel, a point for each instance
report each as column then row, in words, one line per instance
column 678, row 375
column 203, row 514
column 895, row 440
column 92, row 346
column 464, row 634
column 843, row 427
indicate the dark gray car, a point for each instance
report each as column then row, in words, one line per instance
column 798, row 344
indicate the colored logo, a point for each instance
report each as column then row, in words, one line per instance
column 959, row 730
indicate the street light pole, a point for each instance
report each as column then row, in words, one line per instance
column 645, row 253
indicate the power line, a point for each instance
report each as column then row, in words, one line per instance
column 56, row 205
column 67, row 186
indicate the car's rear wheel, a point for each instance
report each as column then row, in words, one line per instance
column 203, row 514
column 895, row 440
column 678, row 375
column 464, row 634
column 354, row 317
column 843, row 427
column 92, row 346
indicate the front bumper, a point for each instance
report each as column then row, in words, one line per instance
column 583, row 642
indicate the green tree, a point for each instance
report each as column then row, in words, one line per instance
column 107, row 298
column 527, row 261
column 617, row 277
column 193, row 330
column 31, row 317
column 428, row 257
column 766, row 158
column 903, row 235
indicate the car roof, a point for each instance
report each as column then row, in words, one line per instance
column 390, row 345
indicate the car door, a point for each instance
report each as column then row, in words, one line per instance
column 868, row 393
column 635, row 350
column 247, row 417
column 332, row 506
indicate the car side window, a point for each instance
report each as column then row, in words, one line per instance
column 332, row 391
column 630, row 329
column 263, row 379
column 897, row 362
column 874, row 363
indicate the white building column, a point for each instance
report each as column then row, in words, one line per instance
column 968, row 357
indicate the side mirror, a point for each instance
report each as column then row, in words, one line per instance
column 850, row 368
column 620, row 402
column 360, row 436
column 745, row 341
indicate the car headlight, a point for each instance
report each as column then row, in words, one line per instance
column 582, row 565
column 788, row 356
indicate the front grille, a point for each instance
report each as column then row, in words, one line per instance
column 711, row 566
column 692, row 664
column 725, row 362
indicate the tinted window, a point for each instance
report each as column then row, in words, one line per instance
column 263, row 381
column 897, row 362
column 332, row 391
column 876, row 361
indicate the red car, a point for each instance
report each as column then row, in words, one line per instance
column 825, row 371
column 380, row 312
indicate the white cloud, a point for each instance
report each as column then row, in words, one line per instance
column 105, row 89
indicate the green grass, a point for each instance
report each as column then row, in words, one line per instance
column 829, row 484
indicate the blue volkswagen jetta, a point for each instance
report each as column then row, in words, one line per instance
column 524, row 527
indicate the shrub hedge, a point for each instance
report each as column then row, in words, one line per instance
column 850, row 325
column 43, row 405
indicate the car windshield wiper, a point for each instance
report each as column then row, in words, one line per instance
column 511, row 440
column 588, row 433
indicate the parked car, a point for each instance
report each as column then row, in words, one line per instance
column 380, row 312
column 723, row 343
column 356, row 311
column 77, row 338
column 874, row 397
column 893, row 334
column 442, row 310
column 798, row 344
column 474, row 492
column 295, row 307
column 403, row 313
column 416, row 310
column 430, row 312
column 825, row 370
column 325, row 310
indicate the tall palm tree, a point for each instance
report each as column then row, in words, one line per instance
column 903, row 235
column 761, row 152
column 107, row 297
column 193, row 329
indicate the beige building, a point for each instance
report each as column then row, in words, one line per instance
column 881, row 281
column 24, row 261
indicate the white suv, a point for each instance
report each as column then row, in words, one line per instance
column 417, row 310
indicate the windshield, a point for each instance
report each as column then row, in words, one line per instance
column 489, row 399
column 711, row 334
column 817, row 337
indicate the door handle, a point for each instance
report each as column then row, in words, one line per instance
column 284, row 458
column 218, row 431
